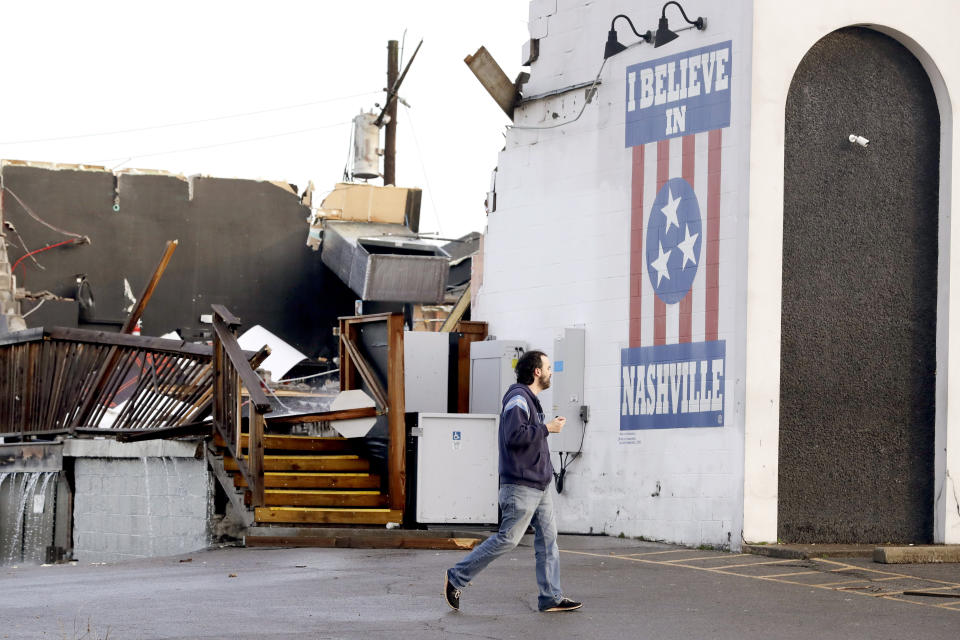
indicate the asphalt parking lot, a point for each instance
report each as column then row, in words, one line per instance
column 630, row 589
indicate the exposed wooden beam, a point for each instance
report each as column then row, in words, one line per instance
column 396, row 415
column 493, row 79
column 363, row 368
column 458, row 310
column 324, row 416
column 145, row 296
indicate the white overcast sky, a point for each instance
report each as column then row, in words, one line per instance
column 124, row 69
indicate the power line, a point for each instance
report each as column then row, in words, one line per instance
column 423, row 168
column 189, row 122
column 219, row 144
column 33, row 215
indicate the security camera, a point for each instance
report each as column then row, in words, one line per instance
column 860, row 140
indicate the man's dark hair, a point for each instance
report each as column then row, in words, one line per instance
column 527, row 364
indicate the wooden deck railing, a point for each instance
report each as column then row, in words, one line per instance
column 231, row 371
column 62, row 380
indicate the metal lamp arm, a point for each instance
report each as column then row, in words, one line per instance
column 646, row 37
column 698, row 23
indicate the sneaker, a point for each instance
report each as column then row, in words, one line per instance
column 564, row 605
column 450, row 593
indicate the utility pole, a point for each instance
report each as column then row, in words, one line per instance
column 390, row 135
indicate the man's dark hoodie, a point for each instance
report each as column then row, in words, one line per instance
column 524, row 453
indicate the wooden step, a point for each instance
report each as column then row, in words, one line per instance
column 306, row 463
column 323, row 515
column 292, row 443
column 279, row 479
column 322, row 498
column 300, row 443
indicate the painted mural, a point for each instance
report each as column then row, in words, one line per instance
column 673, row 373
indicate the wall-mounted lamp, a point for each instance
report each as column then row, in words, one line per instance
column 665, row 35
column 860, row 140
column 613, row 46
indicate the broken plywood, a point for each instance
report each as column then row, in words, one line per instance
column 493, row 79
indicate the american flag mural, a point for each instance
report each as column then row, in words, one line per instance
column 673, row 371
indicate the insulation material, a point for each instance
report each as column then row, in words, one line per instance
column 372, row 203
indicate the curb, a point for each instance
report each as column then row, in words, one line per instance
column 807, row 551
column 917, row 554
column 914, row 554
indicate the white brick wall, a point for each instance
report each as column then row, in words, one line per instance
column 139, row 507
column 557, row 254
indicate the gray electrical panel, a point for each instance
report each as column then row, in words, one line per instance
column 567, row 388
column 492, row 364
column 425, row 371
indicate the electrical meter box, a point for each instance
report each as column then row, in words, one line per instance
column 492, row 364
column 567, row 389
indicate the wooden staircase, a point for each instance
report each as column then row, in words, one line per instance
column 311, row 491
column 313, row 481
column 298, row 481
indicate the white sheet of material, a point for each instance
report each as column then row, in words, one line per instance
column 283, row 356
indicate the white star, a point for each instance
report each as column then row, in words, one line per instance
column 670, row 211
column 687, row 246
column 660, row 264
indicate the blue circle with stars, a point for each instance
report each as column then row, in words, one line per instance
column 674, row 240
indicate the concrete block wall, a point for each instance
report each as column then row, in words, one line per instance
column 128, row 507
column 10, row 317
column 565, row 29
column 557, row 254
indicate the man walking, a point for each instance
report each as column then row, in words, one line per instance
column 525, row 499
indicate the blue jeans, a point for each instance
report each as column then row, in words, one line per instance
column 520, row 506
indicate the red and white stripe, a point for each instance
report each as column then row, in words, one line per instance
column 697, row 159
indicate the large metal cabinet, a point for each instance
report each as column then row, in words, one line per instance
column 457, row 475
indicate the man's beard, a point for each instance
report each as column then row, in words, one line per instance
column 545, row 382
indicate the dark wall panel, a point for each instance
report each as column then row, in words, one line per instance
column 859, row 295
column 242, row 244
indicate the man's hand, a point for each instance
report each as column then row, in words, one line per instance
column 556, row 425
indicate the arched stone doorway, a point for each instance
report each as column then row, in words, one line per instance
column 858, row 343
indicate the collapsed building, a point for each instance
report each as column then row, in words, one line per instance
column 251, row 256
